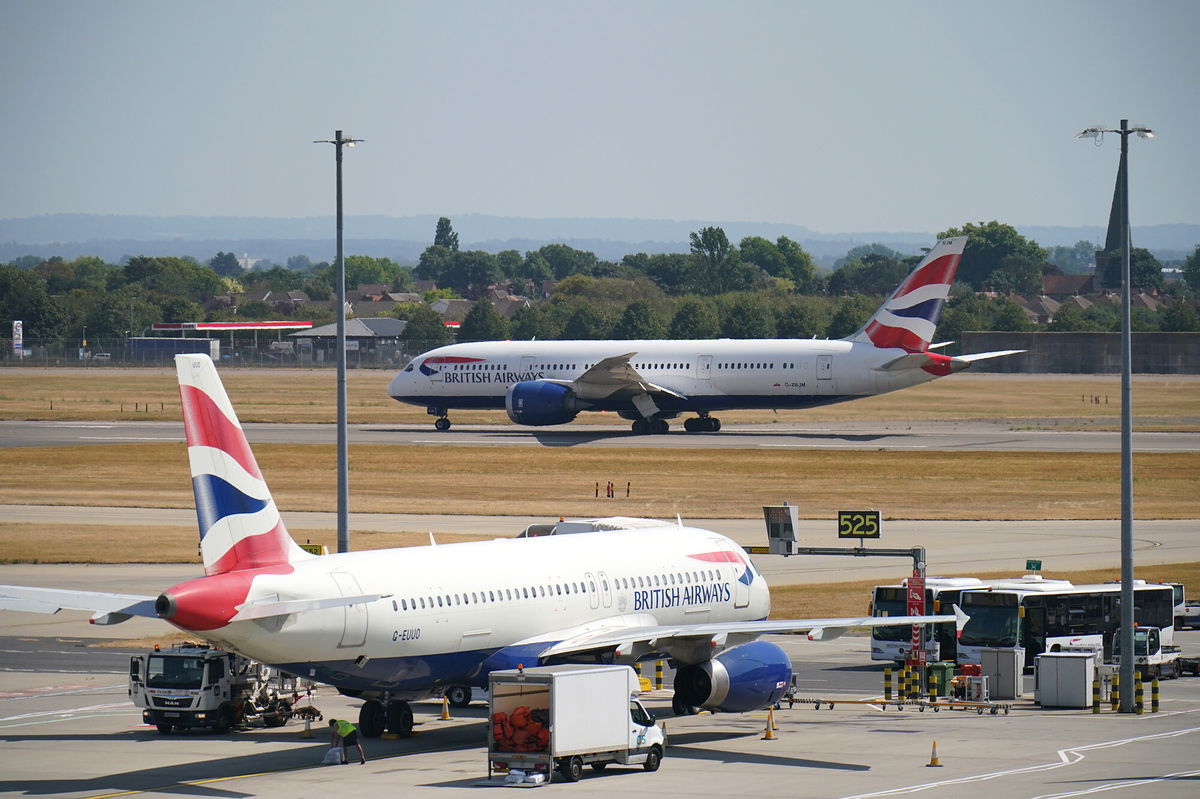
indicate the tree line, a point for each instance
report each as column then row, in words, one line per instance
column 756, row 288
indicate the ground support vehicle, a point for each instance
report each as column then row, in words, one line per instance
column 194, row 685
column 1151, row 657
column 1190, row 618
column 561, row 717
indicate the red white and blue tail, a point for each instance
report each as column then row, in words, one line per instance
column 909, row 317
column 240, row 527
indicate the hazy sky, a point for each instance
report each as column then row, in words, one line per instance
column 839, row 116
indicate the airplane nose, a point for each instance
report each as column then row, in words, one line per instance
column 397, row 387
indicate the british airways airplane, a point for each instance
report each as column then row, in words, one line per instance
column 649, row 382
column 394, row 625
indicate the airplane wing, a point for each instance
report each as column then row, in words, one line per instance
column 108, row 608
column 694, row 642
column 615, row 378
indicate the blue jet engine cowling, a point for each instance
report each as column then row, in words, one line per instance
column 747, row 677
column 539, row 402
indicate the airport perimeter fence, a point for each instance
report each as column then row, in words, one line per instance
column 101, row 353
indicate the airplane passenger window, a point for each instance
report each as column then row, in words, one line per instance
column 591, row 585
column 525, row 591
column 656, row 579
column 474, row 598
column 394, row 605
column 439, row 601
column 491, row 597
column 403, row 603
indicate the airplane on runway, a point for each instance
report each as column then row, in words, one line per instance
column 394, row 625
column 649, row 382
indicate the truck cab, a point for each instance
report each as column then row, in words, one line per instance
column 1151, row 658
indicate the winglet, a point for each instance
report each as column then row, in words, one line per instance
column 960, row 621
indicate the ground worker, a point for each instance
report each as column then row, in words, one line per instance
column 347, row 733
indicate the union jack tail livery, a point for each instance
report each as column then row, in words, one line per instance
column 240, row 527
column 909, row 317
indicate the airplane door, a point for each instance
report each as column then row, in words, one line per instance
column 592, row 589
column 704, row 367
column 605, row 590
column 824, row 367
column 527, row 363
column 354, row 631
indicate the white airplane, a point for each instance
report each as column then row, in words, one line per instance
column 649, row 382
column 394, row 625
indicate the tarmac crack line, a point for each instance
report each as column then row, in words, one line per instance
column 1066, row 757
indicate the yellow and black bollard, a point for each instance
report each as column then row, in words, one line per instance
column 1154, row 695
column 933, row 685
column 887, row 683
column 1115, row 693
column 1096, row 695
column 658, row 675
column 1139, row 696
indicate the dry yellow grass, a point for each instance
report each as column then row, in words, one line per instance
column 299, row 395
column 694, row 483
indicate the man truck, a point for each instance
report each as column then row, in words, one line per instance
column 194, row 685
column 560, row 718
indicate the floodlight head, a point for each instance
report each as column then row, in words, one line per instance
column 1144, row 133
column 1089, row 133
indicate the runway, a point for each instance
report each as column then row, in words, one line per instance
column 973, row 436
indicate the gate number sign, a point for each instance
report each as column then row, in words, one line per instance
column 858, row 524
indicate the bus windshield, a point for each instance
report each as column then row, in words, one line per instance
column 173, row 671
column 990, row 625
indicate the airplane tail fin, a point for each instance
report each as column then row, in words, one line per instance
column 240, row 527
column 908, row 318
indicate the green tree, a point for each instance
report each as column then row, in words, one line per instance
column 536, row 269
column 714, row 261
column 1069, row 318
column 641, row 320
column 534, row 322
column 483, row 323
column 1145, row 271
column 800, row 267
column 586, row 323
column 23, row 296
column 748, row 316
column 695, row 319
column 851, row 313
column 173, row 276
column 1017, row 274
column 798, row 321
column 445, row 236
column 424, row 329
column 872, row 274
column 1191, row 270
column 988, row 244
column 564, row 260
column 225, row 264
column 471, row 272
column 433, row 264
column 510, row 263
column 1010, row 316
column 1179, row 317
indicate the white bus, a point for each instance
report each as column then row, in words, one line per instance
column 1035, row 615
column 892, row 643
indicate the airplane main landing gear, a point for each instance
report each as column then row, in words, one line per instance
column 395, row 716
column 653, row 426
column 702, row 424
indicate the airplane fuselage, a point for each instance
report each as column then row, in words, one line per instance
column 709, row 375
column 448, row 610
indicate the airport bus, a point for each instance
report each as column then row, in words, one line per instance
column 892, row 643
column 1035, row 615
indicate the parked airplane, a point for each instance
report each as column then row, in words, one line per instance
column 394, row 625
column 649, row 382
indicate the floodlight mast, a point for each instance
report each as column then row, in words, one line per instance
column 1126, row 644
column 343, row 479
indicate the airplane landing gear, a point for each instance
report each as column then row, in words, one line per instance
column 702, row 424
column 641, row 427
column 395, row 716
column 442, row 424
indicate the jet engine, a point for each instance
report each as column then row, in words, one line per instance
column 747, row 677
column 540, row 402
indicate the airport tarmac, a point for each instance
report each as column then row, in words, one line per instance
column 74, row 734
column 872, row 434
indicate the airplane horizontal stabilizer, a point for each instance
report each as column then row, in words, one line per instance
column 52, row 600
column 249, row 611
column 983, row 356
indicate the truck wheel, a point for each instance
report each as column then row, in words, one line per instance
column 653, row 759
column 164, row 729
column 459, row 695
column 224, row 719
column 275, row 719
column 572, row 769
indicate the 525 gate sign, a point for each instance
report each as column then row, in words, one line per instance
column 858, row 524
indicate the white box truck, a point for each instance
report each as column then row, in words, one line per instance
column 551, row 718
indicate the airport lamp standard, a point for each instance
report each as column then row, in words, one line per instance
column 343, row 479
column 1122, row 197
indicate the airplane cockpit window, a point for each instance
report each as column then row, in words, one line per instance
column 408, row 368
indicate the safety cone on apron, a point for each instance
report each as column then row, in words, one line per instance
column 933, row 759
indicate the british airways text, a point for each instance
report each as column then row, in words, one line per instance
column 659, row 598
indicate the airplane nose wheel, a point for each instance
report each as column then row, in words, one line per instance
column 442, row 425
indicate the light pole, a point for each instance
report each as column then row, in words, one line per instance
column 343, row 479
column 1122, row 198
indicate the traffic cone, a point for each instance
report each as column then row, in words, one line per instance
column 445, row 709
column 769, row 732
column 933, row 759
